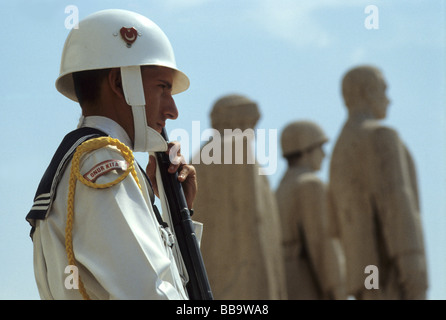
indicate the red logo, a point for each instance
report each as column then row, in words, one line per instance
column 129, row 35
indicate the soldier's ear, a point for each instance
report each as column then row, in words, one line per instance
column 115, row 82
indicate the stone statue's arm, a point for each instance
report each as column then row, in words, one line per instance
column 325, row 251
column 396, row 203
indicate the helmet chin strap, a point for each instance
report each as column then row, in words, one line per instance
column 146, row 138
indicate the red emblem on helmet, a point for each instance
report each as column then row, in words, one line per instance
column 129, row 35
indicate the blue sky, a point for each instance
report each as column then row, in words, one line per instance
column 289, row 56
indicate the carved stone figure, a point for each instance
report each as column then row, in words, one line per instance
column 314, row 264
column 240, row 244
column 374, row 196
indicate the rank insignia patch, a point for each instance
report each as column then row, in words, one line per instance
column 105, row 167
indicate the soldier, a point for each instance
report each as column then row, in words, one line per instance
column 313, row 261
column 374, row 197
column 102, row 233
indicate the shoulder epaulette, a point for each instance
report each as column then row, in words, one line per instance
column 46, row 190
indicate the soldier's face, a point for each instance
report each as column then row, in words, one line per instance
column 160, row 105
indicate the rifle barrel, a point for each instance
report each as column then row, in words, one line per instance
column 198, row 287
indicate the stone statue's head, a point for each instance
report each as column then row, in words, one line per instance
column 234, row 111
column 364, row 90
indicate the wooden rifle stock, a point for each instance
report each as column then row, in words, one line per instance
column 198, row 287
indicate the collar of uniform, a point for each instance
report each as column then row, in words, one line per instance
column 108, row 126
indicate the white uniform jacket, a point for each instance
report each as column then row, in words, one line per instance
column 117, row 241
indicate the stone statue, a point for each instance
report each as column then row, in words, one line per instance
column 314, row 264
column 240, row 243
column 374, row 197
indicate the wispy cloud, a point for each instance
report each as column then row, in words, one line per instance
column 185, row 3
column 322, row 23
column 296, row 21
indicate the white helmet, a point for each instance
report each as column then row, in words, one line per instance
column 123, row 39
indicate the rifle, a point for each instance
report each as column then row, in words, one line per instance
column 198, row 286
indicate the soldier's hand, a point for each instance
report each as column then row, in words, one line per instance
column 186, row 172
